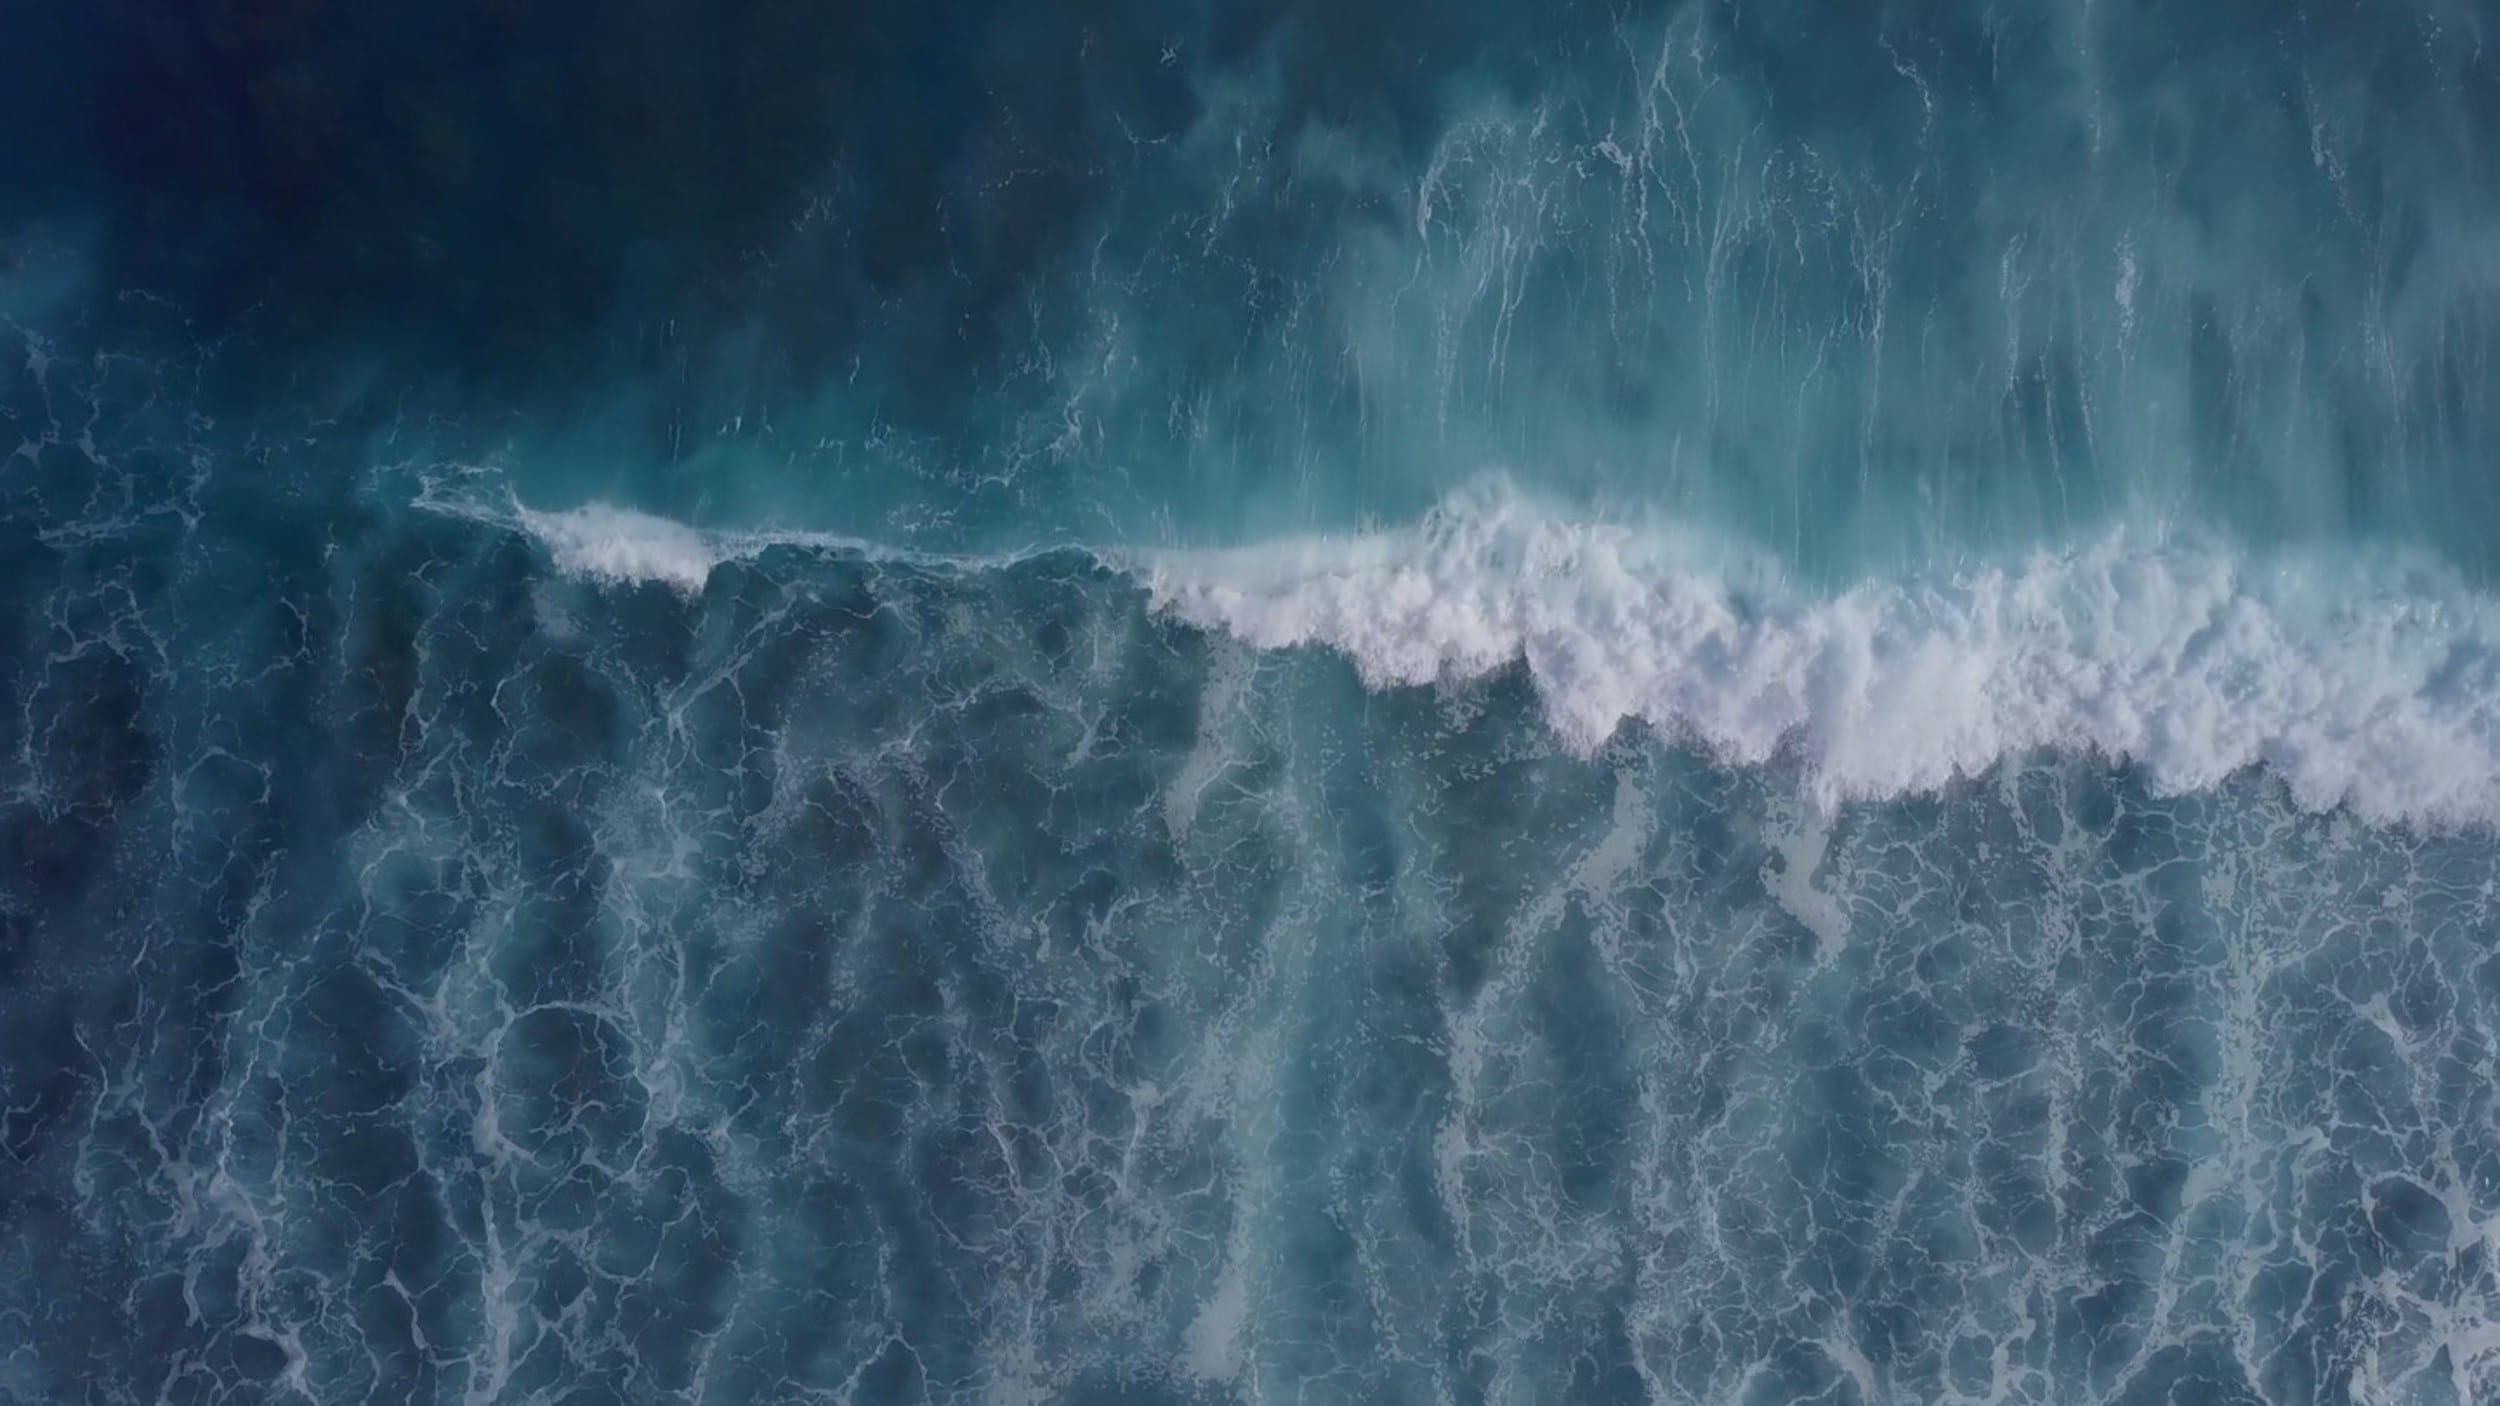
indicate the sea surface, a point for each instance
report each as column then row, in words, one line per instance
column 1213, row 701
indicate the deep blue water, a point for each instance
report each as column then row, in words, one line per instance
column 1747, row 701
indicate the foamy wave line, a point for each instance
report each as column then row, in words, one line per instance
column 628, row 547
column 2375, row 686
column 2369, row 685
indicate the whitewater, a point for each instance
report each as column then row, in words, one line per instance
column 1234, row 701
column 2365, row 682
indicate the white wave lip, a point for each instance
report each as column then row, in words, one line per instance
column 2372, row 687
column 622, row 546
column 627, row 547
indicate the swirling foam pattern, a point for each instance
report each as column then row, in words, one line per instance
column 441, row 967
column 1220, row 701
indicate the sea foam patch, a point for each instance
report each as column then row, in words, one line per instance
column 625, row 546
column 2373, row 685
column 620, row 545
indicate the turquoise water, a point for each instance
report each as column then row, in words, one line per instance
column 1874, row 293
column 1732, row 702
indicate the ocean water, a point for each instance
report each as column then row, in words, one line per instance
column 1742, row 701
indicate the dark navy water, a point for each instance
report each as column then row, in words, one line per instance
column 1744, row 702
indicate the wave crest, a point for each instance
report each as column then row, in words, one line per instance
column 2373, row 685
column 2367, row 683
column 626, row 547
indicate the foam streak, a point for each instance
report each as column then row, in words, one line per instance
column 2370, row 685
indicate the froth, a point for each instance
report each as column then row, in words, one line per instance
column 2370, row 685
column 625, row 546
column 621, row 545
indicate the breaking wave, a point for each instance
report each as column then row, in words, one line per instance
column 2367, row 683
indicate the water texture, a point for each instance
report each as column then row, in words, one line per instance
column 1753, row 701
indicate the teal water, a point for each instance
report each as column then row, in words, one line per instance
column 1872, row 292
column 1722, row 702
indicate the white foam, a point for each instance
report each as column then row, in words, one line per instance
column 626, row 546
column 2370, row 685
column 620, row 545
column 2373, row 684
